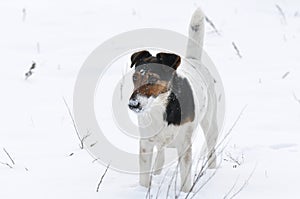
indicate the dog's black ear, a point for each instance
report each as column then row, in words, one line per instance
column 169, row 59
column 138, row 56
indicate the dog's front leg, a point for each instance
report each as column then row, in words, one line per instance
column 159, row 161
column 146, row 151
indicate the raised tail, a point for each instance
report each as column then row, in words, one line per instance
column 196, row 35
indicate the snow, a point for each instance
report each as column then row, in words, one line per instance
column 38, row 133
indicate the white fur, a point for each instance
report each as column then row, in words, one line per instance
column 161, row 135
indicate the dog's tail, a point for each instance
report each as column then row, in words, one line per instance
column 196, row 35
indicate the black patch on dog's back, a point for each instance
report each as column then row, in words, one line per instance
column 173, row 110
column 180, row 106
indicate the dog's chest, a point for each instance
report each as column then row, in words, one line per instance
column 166, row 136
column 159, row 132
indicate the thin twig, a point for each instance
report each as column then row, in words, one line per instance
column 233, row 159
column 281, row 13
column 285, row 75
column 173, row 176
column 235, row 123
column 95, row 160
column 206, row 181
column 200, row 174
column 161, row 183
column 212, row 25
column 231, row 189
column 148, row 194
column 83, row 139
column 30, row 72
column 102, row 177
column 4, row 163
column 151, row 177
column 197, row 166
column 236, row 50
column 296, row 98
column 92, row 145
column 12, row 161
column 74, row 124
column 245, row 183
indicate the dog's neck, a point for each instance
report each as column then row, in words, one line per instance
column 174, row 107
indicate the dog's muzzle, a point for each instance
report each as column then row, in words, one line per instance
column 135, row 105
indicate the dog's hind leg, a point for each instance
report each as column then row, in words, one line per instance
column 145, row 159
column 210, row 129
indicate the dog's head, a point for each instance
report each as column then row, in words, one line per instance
column 151, row 78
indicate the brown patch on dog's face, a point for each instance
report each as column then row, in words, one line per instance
column 149, row 84
column 151, row 90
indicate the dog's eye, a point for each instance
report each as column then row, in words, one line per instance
column 152, row 79
column 134, row 78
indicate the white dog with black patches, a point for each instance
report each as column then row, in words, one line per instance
column 163, row 91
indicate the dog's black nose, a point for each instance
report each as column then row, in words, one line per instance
column 134, row 105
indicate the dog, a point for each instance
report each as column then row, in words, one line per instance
column 161, row 91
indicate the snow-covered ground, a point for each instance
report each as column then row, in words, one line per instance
column 38, row 133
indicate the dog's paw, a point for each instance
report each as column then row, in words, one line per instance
column 186, row 188
column 145, row 182
column 157, row 172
